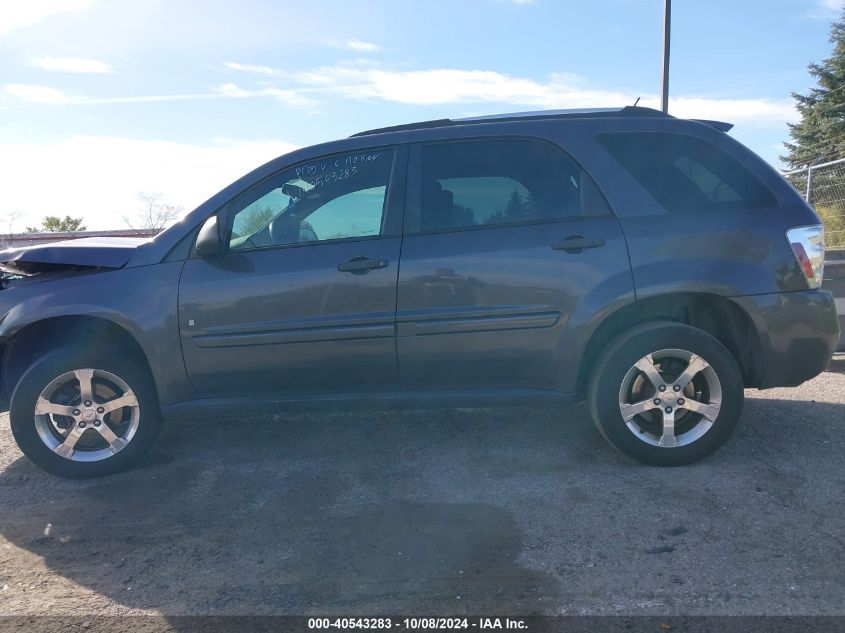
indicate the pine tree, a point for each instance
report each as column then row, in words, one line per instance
column 516, row 206
column 820, row 134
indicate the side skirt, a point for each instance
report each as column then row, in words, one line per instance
column 245, row 405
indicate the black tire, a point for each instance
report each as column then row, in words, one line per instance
column 53, row 364
column 623, row 353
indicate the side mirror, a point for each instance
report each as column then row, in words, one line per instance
column 209, row 243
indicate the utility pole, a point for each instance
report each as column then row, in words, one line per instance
column 667, row 32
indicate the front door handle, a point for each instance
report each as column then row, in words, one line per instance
column 577, row 244
column 361, row 265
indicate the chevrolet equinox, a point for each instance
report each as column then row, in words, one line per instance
column 651, row 265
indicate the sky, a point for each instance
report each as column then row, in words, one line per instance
column 103, row 99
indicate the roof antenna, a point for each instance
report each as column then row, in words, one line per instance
column 636, row 102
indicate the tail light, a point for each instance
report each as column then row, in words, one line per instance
column 807, row 243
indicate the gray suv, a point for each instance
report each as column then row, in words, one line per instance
column 650, row 265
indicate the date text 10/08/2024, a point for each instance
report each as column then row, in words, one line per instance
column 418, row 623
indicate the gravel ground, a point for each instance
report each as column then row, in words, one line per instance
column 439, row 512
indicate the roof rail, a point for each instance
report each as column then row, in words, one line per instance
column 626, row 111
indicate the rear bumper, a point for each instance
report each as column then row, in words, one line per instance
column 840, row 347
column 4, row 397
column 798, row 333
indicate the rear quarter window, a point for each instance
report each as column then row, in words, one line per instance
column 685, row 173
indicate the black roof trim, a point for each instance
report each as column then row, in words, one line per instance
column 406, row 127
column 627, row 111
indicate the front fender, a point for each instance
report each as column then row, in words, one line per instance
column 142, row 301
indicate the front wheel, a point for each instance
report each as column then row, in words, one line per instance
column 80, row 414
column 666, row 394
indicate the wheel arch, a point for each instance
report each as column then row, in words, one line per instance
column 717, row 315
column 35, row 337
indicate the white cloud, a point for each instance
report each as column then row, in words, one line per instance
column 826, row 9
column 98, row 177
column 362, row 46
column 234, row 90
column 731, row 110
column 832, row 5
column 73, row 65
column 518, row 2
column 252, row 68
column 439, row 86
column 15, row 14
column 353, row 44
column 292, row 98
column 445, row 86
column 46, row 95
column 38, row 94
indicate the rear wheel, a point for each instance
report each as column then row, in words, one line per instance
column 666, row 394
column 80, row 414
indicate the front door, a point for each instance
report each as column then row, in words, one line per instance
column 303, row 299
column 509, row 244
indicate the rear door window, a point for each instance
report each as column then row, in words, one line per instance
column 482, row 183
column 685, row 173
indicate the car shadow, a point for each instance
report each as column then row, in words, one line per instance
column 423, row 512
column 315, row 514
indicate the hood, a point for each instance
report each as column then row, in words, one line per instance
column 88, row 252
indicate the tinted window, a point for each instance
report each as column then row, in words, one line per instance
column 479, row 183
column 337, row 197
column 684, row 173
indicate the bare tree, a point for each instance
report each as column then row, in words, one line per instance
column 155, row 213
column 8, row 221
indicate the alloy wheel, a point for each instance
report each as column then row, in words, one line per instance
column 670, row 398
column 87, row 415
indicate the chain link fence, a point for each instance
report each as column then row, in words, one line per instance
column 823, row 186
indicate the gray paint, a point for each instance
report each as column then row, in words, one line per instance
column 284, row 325
column 105, row 252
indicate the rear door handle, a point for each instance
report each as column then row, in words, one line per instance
column 361, row 265
column 577, row 244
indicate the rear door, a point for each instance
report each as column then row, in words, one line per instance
column 508, row 245
column 303, row 299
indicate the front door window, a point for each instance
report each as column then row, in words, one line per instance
column 334, row 198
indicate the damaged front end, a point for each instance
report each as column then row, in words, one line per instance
column 53, row 262
column 85, row 253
